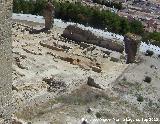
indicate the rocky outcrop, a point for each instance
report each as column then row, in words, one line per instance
column 79, row 35
column 14, row 121
column 19, row 64
column 91, row 82
column 51, row 45
column 32, row 51
column 55, row 85
column 132, row 43
column 115, row 57
column 96, row 69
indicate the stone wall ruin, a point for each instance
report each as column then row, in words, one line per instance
column 132, row 43
column 48, row 14
column 79, row 35
column 5, row 62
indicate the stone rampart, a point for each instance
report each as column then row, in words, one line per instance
column 77, row 34
column 5, row 62
column 132, row 43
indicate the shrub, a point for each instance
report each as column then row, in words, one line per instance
column 124, row 79
column 147, row 79
column 98, row 115
column 150, row 103
column 149, row 53
column 82, row 14
column 140, row 98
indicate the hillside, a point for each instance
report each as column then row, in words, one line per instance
column 57, row 81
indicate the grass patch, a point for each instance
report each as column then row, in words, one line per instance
column 124, row 82
column 30, row 112
column 83, row 96
column 104, row 114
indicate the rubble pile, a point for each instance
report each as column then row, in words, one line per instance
column 55, row 86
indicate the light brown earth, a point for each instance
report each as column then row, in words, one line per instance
column 155, row 1
column 39, row 56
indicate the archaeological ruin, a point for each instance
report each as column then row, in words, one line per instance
column 48, row 14
column 61, row 75
column 79, row 35
column 132, row 43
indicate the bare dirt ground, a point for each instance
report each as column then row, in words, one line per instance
column 155, row 1
column 50, row 76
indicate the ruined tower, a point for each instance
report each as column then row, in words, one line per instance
column 132, row 43
column 5, row 61
column 48, row 14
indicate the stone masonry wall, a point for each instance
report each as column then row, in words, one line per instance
column 132, row 42
column 5, row 62
column 48, row 13
column 77, row 34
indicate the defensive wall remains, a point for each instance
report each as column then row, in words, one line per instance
column 5, row 62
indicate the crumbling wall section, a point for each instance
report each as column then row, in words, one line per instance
column 48, row 14
column 77, row 34
column 5, row 62
column 132, row 43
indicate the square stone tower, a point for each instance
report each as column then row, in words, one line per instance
column 48, row 13
column 5, row 62
column 132, row 43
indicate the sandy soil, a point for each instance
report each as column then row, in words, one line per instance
column 34, row 62
column 40, row 56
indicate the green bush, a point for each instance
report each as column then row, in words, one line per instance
column 149, row 53
column 140, row 98
column 98, row 115
column 152, row 37
column 81, row 14
column 89, row 16
column 148, row 79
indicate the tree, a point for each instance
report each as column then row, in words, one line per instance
column 151, row 37
column 136, row 27
column 125, row 27
column 84, row 15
